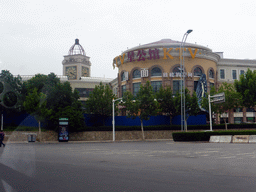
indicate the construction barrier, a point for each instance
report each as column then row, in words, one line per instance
column 240, row 139
column 214, row 139
column 233, row 139
column 252, row 139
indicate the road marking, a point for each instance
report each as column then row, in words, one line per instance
column 229, row 157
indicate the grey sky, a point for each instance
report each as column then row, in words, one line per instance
column 35, row 35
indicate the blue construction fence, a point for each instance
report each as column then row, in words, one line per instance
column 94, row 120
column 23, row 119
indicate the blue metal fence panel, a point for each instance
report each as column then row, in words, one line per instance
column 20, row 119
column 24, row 119
column 124, row 121
column 192, row 120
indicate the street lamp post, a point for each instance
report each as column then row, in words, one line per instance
column 113, row 122
column 182, row 84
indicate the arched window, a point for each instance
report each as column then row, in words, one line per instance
column 198, row 71
column 123, row 77
column 156, row 72
column 176, row 70
column 136, row 74
column 211, row 73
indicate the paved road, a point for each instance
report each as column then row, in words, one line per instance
column 128, row 166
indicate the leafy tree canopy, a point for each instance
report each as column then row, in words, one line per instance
column 100, row 101
column 246, row 86
column 12, row 90
column 166, row 100
column 59, row 99
column 143, row 105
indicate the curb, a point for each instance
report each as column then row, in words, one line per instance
column 77, row 142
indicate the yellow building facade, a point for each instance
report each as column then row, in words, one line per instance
column 159, row 63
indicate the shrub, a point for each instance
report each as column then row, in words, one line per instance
column 205, row 136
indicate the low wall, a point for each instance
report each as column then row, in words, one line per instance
column 119, row 135
column 89, row 136
column 23, row 135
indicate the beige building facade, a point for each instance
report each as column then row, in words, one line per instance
column 159, row 63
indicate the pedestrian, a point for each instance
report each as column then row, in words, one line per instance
column 1, row 138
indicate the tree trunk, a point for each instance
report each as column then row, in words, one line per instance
column 226, row 125
column 142, row 130
column 40, row 132
column 185, row 123
column 170, row 120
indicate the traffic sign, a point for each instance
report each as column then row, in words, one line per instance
column 218, row 98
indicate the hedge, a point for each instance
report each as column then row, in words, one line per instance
column 205, row 136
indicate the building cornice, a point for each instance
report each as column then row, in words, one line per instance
column 237, row 62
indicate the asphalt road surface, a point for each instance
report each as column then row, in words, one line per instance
column 127, row 166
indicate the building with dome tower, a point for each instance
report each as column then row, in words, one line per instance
column 77, row 70
column 159, row 63
column 76, row 64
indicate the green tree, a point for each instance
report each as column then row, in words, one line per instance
column 65, row 103
column 60, row 99
column 35, row 104
column 246, row 86
column 191, row 105
column 99, row 101
column 12, row 88
column 166, row 101
column 11, row 93
column 143, row 105
column 232, row 99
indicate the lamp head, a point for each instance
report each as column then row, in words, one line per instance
column 189, row 31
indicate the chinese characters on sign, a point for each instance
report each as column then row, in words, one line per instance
column 143, row 54
column 177, row 74
column 144, row 72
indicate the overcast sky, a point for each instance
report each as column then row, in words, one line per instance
column 36, row 34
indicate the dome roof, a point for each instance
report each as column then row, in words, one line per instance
column 166, row 43
column 76, row 49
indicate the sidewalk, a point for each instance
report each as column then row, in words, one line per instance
column 76, row 142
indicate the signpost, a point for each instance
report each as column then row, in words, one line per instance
column 218, row 98
column 113, row 110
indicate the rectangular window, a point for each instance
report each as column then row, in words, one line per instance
column 176, row 86
column 222, row 121
column 238, row 110
column 156, row 85
column 195, row 85
column 84, row 92
column 136, row 88
column 238, row 120
column 222, row 73
column 234, row 74
column 241, row 72
column 250, row 110
column 250, row 119
column 123, row 89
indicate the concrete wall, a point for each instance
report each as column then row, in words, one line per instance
column 120, row 135
column 89, row 136
column 23, row 135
